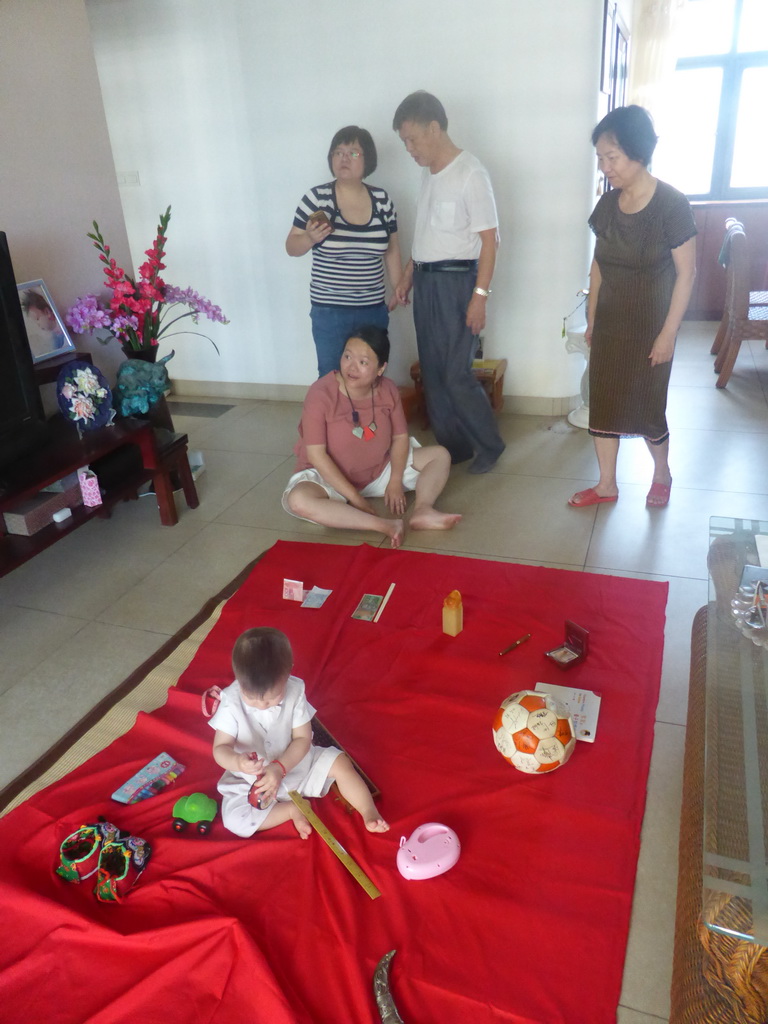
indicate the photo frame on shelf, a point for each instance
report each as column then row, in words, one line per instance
column 46, row 332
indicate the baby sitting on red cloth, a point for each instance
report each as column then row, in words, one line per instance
column 264, row 744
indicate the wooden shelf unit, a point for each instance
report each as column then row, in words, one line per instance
column 66, row 453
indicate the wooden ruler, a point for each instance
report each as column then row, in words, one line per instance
column 349, row 862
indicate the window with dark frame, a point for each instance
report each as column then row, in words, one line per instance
column 713, row 131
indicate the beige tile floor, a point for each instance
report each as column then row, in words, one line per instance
column 79, row 617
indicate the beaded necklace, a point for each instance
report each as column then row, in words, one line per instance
column 364, row 433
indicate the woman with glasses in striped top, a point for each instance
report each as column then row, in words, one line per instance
column 351, row 229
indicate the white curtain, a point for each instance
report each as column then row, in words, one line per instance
column 654, row 51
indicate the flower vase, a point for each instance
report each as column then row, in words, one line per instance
column 141, row 389
column 147, row 355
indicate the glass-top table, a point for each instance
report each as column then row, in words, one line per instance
column 735, row 847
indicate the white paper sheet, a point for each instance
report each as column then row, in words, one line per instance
column 584, row 706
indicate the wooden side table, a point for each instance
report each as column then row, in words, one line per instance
column 162, row 453
column 64, row 454
column 413, row 403
column 170, row 456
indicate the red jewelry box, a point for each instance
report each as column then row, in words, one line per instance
column 574, row 650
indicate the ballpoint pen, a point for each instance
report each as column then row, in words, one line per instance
column 515, row 644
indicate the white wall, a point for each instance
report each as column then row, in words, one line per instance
column 56, row 169
column 226, row 111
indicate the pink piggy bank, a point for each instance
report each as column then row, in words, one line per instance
column 431, row 850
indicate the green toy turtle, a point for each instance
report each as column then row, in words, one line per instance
column 196, row 809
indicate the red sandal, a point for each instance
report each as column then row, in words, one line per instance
column 658, row 496
column 590, row 497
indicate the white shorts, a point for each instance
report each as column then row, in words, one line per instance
column 309, row 777
column 375, row 489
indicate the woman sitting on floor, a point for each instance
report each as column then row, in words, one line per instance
column 353, row 445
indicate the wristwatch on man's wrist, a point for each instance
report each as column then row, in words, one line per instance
column 483, row 291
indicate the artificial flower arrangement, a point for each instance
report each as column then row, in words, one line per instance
column 84, row 396
column 139, row 311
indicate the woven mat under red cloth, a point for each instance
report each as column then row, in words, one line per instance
column 529, row 927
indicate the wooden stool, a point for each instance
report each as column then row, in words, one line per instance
column 413, row 402
column 490, row 373
column 171, row 456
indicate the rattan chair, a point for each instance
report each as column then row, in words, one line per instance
column 746, row 313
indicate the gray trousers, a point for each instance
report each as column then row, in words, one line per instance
column 459, row 411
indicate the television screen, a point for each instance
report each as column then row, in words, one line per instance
column 22, row 419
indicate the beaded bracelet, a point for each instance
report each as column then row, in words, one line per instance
column 282, row 766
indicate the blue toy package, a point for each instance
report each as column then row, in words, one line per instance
column 152, row 778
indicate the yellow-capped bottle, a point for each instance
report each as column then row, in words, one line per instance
column 453, row 614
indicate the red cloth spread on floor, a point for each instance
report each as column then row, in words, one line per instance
column 529, row 927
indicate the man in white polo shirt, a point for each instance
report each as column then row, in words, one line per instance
column 454, row 253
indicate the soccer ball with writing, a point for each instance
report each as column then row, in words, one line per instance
column 534, row 732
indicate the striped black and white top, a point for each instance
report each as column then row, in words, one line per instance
column 348, row 268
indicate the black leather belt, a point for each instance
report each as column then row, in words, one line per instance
column 446, row 266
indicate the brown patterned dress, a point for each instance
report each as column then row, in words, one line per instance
column 628, row 396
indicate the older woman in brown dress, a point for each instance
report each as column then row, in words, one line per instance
column 640, row 284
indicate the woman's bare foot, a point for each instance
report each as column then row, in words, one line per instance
column 396, row 532
column 658, row 496
column 302, row 825
column 376, row 824
column 429, row 518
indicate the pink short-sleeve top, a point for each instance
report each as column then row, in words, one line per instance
column 327, row 419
